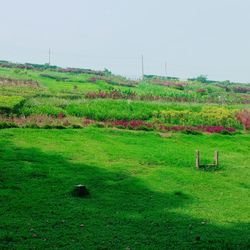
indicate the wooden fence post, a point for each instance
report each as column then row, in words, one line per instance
column 197, row 159
column 216, row 158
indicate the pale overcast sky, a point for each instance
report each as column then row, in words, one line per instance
column 210, row 37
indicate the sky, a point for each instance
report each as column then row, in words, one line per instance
column 192, row 37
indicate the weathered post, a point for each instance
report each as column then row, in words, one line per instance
column 216, row 158
column 197, row 159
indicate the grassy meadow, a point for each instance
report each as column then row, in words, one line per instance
column 133, row 145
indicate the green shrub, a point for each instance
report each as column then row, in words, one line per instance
column 31, row 125
column 192, row 132
column 76, row 126
column 10, row 104
column 48, row 127
column 59, row 127
column 209, row 116
column 102, row 110
column 225, row 132
column 7, row 125
column 42, row 110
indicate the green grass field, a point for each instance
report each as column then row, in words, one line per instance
column 145, row 190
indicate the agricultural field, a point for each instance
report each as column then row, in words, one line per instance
column 133, row 144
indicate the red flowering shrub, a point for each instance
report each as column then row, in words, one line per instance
column 114, row 94
column 214, row 129
column 93, row 79
column 184, row 97
column 241, row 90
column 142, row 125
column 114, row 80
column 87, row 122
column 243, row 116
column 43, row 121
column 60, row 116
column 201, row 91
column 175, row 85
column 134, row 124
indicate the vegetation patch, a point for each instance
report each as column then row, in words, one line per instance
column 10, row 104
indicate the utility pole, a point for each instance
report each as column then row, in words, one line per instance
column 142, row 66
column 49, row 55
column 166, row 69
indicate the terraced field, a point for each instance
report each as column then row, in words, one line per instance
column 133, row 145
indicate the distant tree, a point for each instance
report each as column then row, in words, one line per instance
column 226, row 82
column 107, row 72
column 202, row 78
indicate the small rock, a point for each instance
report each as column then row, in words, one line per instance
column 197, row 238
column 178, row 193
column 80, row 191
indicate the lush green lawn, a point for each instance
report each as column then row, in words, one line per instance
column 145, row 191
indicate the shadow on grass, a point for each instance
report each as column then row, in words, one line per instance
column 37, row 210
column 210, row 168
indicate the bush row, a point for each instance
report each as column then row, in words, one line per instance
column 61, row 122
column 211, row 116
column 126, row 110
column 103, row 110
column 168, row 96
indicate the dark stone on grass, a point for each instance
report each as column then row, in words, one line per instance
column 197, row 238
column 80, row 191
column 178, row 193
